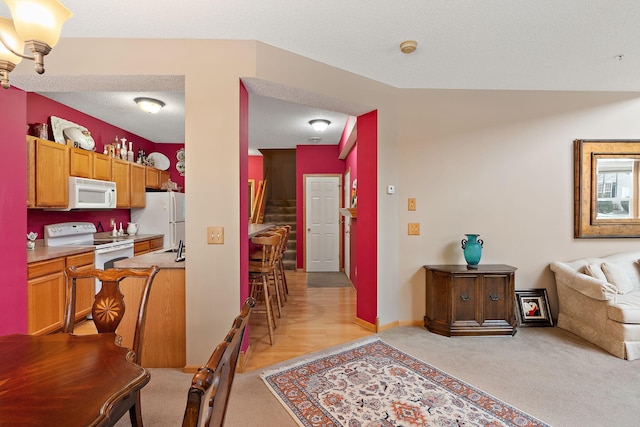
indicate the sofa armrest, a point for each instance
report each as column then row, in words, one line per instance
column 586, row 285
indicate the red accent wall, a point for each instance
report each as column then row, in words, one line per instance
column 312, row 159
column 367, row 234
column 13, row 214
column 256, row 169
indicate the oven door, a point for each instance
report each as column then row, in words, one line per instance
column 106, row 256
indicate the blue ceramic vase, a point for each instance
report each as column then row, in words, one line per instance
column 472, row 249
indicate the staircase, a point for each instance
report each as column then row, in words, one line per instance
column 283, row 212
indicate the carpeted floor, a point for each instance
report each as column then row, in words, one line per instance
column 546, row 372
column 327, row 280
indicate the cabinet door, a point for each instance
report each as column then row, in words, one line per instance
column 153, row 177
column 464, row 299
column 101, row 167
column 497, row 298
column 45, row 296
column 138, row 196
column 121, row 176
column 85, row 288
column 164, row 177
column 51, row 174
column 81, row 163
column 156, row 244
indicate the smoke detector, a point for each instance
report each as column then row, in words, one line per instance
column 408, row 46
column 315, row 139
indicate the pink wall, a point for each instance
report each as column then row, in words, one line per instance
column 13, row 215
column 312, row 159
column 256, row 168
column 367, row 234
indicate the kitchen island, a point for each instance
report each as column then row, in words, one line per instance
column 164, row 343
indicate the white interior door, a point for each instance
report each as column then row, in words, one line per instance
column 347, row 225
column 322, row 242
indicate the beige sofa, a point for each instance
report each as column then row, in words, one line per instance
column 599, row 300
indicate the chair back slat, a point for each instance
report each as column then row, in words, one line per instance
column 210, row 387
column 108, row 306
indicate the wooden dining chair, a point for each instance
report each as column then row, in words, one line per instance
column 210, row 388
column 108, row 310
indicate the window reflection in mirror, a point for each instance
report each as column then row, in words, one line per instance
column 615, row 188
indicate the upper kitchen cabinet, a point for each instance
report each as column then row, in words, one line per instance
column 156, row 177
column 47, row 174
column 130, row 183
column 138, row 180
column 101, row 167
column 80, row 162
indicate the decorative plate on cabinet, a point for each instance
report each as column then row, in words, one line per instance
column 160, row 161
column 180, row 167
column 180, row 154
column 81, row 138
column 58, row 126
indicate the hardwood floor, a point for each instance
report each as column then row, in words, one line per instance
column 312, row 319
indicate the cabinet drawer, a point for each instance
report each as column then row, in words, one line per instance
column 38, row 269
column 156, row 244
column 140, row 248
column 80, row 259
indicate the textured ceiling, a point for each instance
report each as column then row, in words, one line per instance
column 462, row 44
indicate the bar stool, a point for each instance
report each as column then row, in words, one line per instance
column 259, row 272
column 274, row 277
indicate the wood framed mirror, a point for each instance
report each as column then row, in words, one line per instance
column 607, row 188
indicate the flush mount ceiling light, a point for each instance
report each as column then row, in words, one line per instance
column 319, row 124
column 149, row 105
column 408, row 46
column 36, row 24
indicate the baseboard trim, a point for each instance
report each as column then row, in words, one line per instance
column 367, row 325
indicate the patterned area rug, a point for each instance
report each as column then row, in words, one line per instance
column 373, row 384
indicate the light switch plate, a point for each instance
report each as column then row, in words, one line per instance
column 412, row 204
column 215, row 235
column 414, row 229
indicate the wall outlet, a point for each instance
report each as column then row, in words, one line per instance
column 215, row 235
column 412, row 204
column 414, row 229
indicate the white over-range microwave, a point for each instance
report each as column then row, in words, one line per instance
column 91, row 194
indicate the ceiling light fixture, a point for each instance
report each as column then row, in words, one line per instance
column 36, row 24
column 319, row 125
column 408, row 46
column 149, row 105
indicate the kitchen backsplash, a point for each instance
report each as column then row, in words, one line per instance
column 37, row 218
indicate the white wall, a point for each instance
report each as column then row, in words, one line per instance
column 500, row 164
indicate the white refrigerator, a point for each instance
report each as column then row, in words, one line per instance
column 164, row 213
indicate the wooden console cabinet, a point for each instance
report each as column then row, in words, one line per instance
column 461, row 301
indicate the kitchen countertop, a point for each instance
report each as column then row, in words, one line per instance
column 161, row 259
column 44, row 253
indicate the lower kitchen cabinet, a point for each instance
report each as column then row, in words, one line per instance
column 46, row 283
column 145, row 246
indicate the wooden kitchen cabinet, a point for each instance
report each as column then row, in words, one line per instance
column 464, row 301
column 121, row 176
column 47, row 174
column 138, row 179
column 156, row 178
column 80, row 162
column 45, row 296
column 146, row 246
column 101, row 167
column 85, row 288
column 46, row 283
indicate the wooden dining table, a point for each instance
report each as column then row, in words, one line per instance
column 66, row 380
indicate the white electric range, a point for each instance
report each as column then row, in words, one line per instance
column 107, row 249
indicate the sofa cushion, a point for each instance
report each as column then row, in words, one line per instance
column 621, row 275
column 595, row 271
column 625, row 308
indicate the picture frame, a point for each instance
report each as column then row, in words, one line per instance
column 532, row 307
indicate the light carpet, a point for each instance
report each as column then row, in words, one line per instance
column 376, row 385
column 327, row 280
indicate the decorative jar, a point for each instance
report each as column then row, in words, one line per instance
column 31, row 240
column 472, row 249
